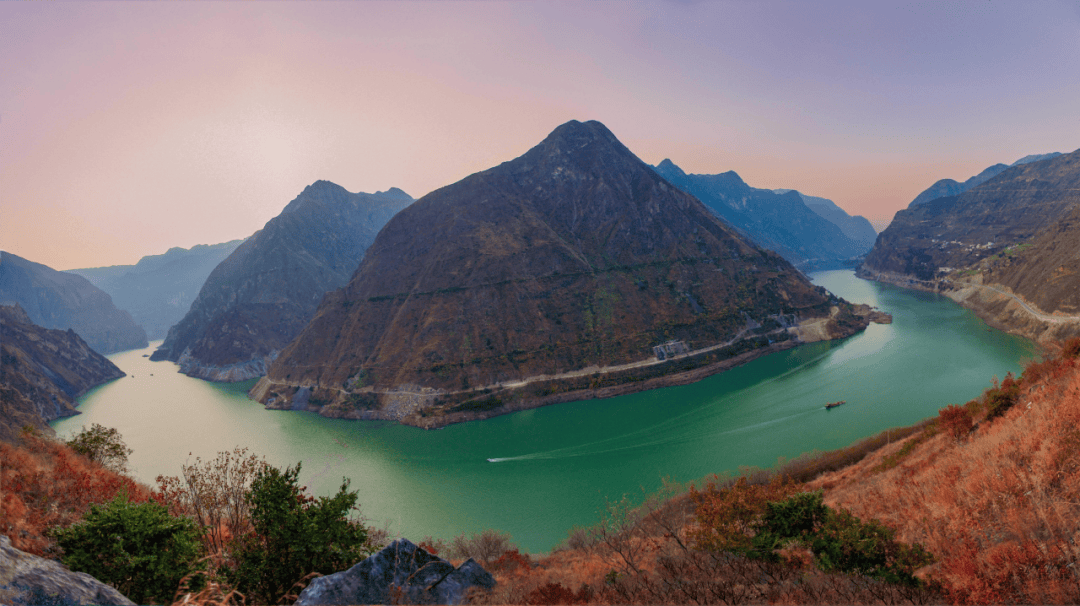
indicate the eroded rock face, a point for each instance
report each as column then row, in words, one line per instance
column 402, row 573
column 27, row 580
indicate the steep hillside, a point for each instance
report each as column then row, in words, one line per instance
column 55, row 299
column 42, row 371
column 780, row 222
column 857, row 228
column 544, row 279
column 260, row 297
column 159, row 289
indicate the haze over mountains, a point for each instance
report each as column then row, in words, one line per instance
column 782, row 222
column 54, row 299
column 574, row 256
column 257, row 299
column 159, row 289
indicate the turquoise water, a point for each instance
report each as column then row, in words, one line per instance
column 556, row 466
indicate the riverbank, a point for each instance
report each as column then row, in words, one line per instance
column 433, row 409
column 995, row 304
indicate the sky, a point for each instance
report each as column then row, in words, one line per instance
column 130, row 128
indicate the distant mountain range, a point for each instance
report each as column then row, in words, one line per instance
column 54, row 299
column 948, row 187
column 260, row 296
column 857, row 228
column 782, row 222
column 42, row 372
column 517, row 285
column 159, row 289
column 1006, row 248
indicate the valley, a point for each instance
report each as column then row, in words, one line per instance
column 555, row 466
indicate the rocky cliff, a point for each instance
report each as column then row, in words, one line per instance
column 260, row 297
column 42, row 372
column 54, row 299
column 159, row 289
column 779, row 222
column 571, row 272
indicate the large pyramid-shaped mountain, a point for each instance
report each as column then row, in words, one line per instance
column 513, row 286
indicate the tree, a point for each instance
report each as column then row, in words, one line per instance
column 138, row 548
column 102, row 445
column 294, row 535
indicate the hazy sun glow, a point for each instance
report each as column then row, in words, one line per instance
column 127, row 128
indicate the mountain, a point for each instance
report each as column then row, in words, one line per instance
column 158, row 290
column 42, row 371
column 949, row 187
column 55, row 299
column 571, row 272
column 260, row 297
column 857, row 228
column 780, row 222
column 1003, row 248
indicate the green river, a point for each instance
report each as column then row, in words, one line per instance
column 554, row 468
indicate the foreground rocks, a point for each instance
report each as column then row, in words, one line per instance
column 29, row 580
column 402, row 573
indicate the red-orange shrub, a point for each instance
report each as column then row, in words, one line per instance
column 956, row 421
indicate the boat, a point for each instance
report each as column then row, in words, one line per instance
column 832, row 405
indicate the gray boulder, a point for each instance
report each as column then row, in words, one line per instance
column 27, row 580
column 402, row 573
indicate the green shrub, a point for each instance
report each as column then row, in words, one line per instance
column 103, row 445
column 294, row 536
column 138, row 548
column 839, row 541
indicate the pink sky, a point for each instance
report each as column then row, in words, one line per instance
column 130, row 128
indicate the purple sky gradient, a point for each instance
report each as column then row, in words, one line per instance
column 129, row 128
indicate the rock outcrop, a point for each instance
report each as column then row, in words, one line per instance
column 27, row 580
column 546, row 279
column 54, row 299
column 260, row 297
column 402, row 573
column 42, row 371
column 159, row 289
column 779, row 222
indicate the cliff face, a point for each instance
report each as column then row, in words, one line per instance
column 858, row 228
column 55, row 299
column 42, row 371
column 543, row 279
column 780, row 222
column 260, row 297
column 159, row 289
